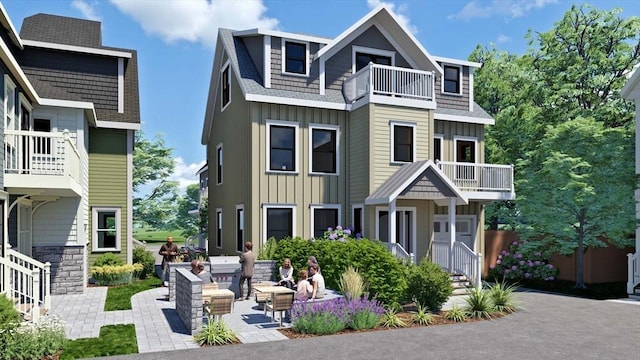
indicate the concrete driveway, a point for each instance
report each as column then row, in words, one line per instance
column 549, row 327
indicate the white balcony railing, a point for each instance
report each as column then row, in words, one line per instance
column 393, row 81
column 479, row 177
column 41, row 153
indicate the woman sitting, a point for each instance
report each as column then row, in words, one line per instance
column 286, row 274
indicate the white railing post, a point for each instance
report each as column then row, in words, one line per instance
column 7, row 270
column 478, row 270
column 35, row 309
column 47, row 285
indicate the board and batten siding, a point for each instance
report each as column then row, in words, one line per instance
column 301, row 188
column 453, row 129
column 381, row 167
column 108, row 179
column 231, row 129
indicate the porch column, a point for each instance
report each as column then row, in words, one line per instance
column 392, row 222
column 452, row 230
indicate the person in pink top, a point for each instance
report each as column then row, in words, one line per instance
column 304, row 288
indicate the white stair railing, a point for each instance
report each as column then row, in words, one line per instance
column 26, row 281
column 466, row 262
column 633, row 272
column 399, row 252
column 441, row 253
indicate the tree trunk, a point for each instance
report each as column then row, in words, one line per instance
column 580, row 255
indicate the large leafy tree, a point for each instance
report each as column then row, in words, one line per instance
column 577, row 188
column 187, row 222
column 154, row 202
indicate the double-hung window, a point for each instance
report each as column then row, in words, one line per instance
column 240, row 228
column 324, row 217
column 106, row 228
column 403, row 141
column 219, row 164
column 295, row 55
column 219, row 228
column 282, row 146
column 279, row 221
column 452, row 80
column 225, row 86
column 324, row 149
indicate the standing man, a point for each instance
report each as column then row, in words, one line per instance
column 247, row 259
column 169, row 250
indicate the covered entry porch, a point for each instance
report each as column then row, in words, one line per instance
column 404, row 216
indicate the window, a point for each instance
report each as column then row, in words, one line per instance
column 324, row 217
column 225, row 85
column 9, row 104
column 282, row 140
column 219, row 228
column 358, row 220
column 106, row 229
column 452, row 79
column 219, row 164
column 362, row 56
column 324, row 149
column 240, row 228
column 437, row 147
column 295, row 56
column 402, row 142
column 465, row 153
column 278, row 222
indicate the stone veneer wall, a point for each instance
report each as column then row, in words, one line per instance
column 67, row 267
column 265, row 270
column 189, row 299
column 172, row 275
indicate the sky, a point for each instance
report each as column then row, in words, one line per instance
column 175, row 41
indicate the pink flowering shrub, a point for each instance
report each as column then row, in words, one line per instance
column 340, row 234
column 518, row 264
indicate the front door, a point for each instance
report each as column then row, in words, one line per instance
column 464, row 229
column 24, row 229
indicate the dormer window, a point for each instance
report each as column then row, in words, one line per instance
column 295, row 55
column 452, row 80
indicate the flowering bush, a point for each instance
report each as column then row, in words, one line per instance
column 340, row 234
column 329, row 317
column 518, row 264
column 39, row 340
column 115, row 274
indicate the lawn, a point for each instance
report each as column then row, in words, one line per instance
column 119, row 297
column 113, row 340
column 153, row 236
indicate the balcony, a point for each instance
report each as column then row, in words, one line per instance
column 41, row 163
column 481, row 181
column 390, row 85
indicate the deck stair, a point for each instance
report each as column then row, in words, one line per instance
column 461, row 284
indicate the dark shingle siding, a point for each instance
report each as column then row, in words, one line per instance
column 449, row 101
column 310, row 84
column 62, row 30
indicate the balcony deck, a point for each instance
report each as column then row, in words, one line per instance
column 481, row 181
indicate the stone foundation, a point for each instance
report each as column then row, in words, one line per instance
column 67, row 267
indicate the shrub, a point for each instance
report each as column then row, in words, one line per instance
column 37, row 340
column 422, row 316
column 479, row 304
column 520, row 263
column 364, row 313
column 216, row 333
column 9, row 316
column 108, row 259
column 115, row 274
column 456, row 314
column 339, row 233
column 429, row 286
column 268, row 250
column 502, row 296
column 382, row 273
column 351, row 284
column 390, row 318
column 321, row 318
column 147, row 260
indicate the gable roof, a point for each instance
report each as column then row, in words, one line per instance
column 417, row 180
column 383, row 18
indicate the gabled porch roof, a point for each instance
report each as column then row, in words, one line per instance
column 421, row 180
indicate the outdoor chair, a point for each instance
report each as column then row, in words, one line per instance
column 280, row 302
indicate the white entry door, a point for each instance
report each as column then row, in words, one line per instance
column 465, row 224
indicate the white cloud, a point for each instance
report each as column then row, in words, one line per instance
column 185, row 174
column 196, row 20
column 502, row 38
column 506, row 8
column 87, row 9
column 400, row 12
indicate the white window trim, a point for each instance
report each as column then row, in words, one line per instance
column 296, row 149
column 441, row 137
column 335, row 128
column 219, row 226
column 392, row 125
column 284, row 57
column 9, row 89
column 414, row 227
column 222, row 70
column 219, row 164
column 266, row 207
column 314, row 207
column 373, row 51
column 475, row 152
column 243, row 227
column 22, row 101
column 459, row 77
column 353, row 216
column 94, row 228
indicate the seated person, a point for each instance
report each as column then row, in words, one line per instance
column 317, row 281
column 304, row 288
column 286, row 274
column 198, row 269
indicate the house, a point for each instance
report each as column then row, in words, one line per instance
column 631, row 91
column 70, row 109
column 199, row 240
column 366, row 130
